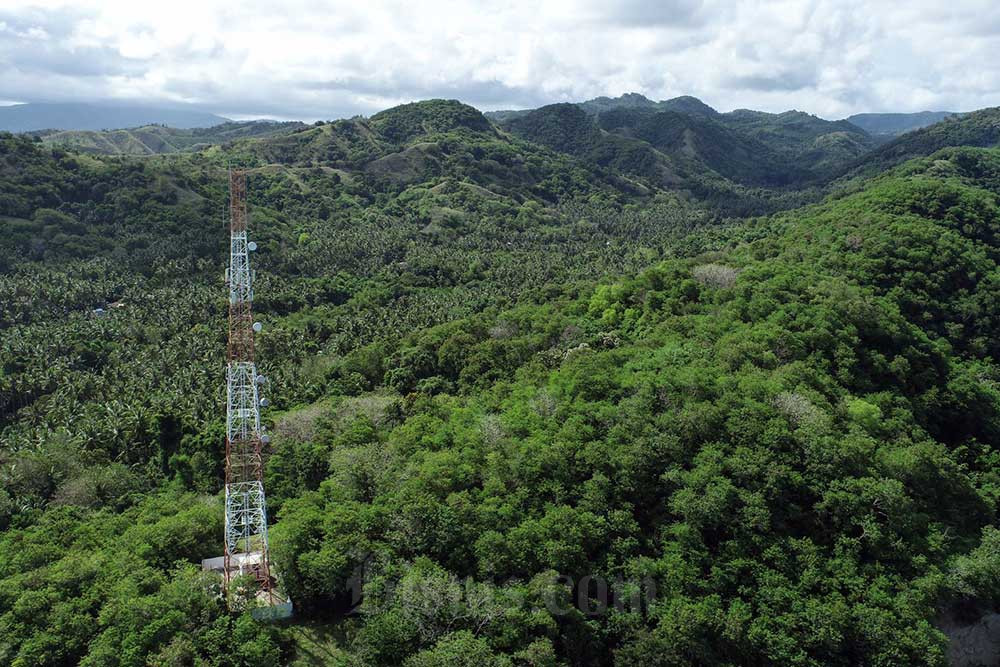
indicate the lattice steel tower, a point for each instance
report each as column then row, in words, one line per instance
column 246, row 509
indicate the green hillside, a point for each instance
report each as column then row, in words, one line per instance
column 812, row 142
column 743, row 147
column 553, row 389
column 741, row 163
column 567, row 129
column 741, row 159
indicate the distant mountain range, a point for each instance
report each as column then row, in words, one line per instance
column 676, row 144
column 879, row 125
column 740, row 163
column 894, row 124
column 35, row 117
column 72, row 116
column 743, row 161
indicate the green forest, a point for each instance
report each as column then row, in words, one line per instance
column 581, row 386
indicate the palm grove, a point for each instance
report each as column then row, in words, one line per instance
column 746, row 359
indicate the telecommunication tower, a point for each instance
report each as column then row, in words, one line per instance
column 246, row 508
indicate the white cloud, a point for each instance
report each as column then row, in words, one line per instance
column 324, row 59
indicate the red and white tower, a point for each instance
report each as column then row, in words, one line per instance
column 246, row 508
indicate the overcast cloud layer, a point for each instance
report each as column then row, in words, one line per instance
column 315, row 59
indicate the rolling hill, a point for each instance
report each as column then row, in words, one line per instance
column 158, row 139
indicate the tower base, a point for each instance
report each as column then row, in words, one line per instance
column 271, row 604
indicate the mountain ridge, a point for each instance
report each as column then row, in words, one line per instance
column 879, row 125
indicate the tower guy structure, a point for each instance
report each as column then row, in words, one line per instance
column 246, row 508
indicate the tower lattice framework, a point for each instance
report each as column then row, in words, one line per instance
column 246, row 508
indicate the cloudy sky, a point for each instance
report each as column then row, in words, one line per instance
column 314, row 59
